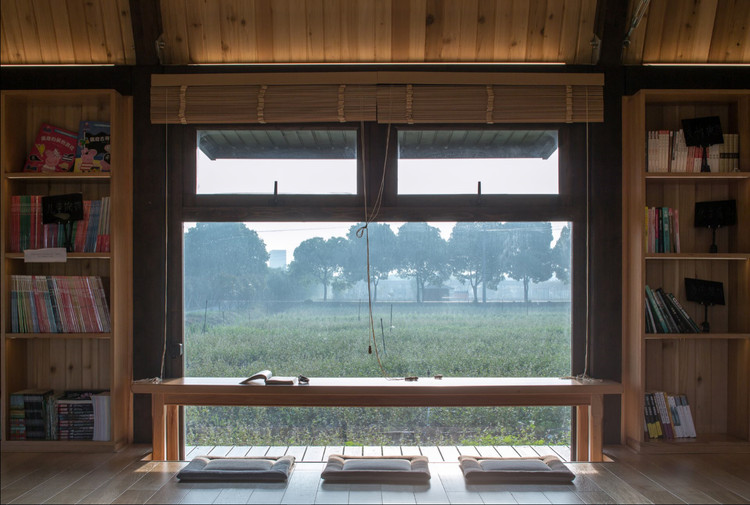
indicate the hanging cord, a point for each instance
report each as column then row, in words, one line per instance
column 364, row 231
column 585, row 374
column 166, row 239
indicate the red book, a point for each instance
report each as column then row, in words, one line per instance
column 54, row 150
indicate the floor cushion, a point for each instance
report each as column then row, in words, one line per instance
column 377, row 469
column 541, row 470
column 224, row 469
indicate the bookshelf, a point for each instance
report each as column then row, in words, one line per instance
column 712, row 369
column 69, row 361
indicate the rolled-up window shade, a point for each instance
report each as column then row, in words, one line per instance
column 490, row 104
column 259, row 104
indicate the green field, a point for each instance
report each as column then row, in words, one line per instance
column 331, row 340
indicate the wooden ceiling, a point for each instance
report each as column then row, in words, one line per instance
column 369, row 31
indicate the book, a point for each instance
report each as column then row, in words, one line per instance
column 53, row 150
column 269, row 379
column 93, row 147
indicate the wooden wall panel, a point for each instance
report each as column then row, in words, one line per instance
column 683, row 31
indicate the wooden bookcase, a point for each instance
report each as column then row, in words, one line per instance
column 74, row 360
column 712, row 369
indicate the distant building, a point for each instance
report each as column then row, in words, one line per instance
column 277, row 258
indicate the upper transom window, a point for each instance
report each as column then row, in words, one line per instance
column 473, row 161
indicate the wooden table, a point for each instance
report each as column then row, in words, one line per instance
column 586, row 395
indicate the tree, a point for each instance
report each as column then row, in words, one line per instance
column 320, row 260
column 382, row 254
column 476, row 253
column 529, row 253
column 223, row 261
column 561, row 256
column 422, row 254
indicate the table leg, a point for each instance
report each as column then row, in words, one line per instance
column 173, row 432
column 157, row 426
column 582, row 432
column 597, row 427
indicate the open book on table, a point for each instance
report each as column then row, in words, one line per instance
column 268, row 378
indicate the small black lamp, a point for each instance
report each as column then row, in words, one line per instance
column 63, row 209
column 703, row 132
column 714, row 215
column 706, row 293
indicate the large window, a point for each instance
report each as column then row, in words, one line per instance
column 459, row 286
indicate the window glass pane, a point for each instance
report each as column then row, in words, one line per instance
column 457, row 161
column 457, row 299
column 312, row 161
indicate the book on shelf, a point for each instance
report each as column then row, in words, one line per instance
column 53, row 150
column 28, row 414
column 667, row 151
column 58, row 304
column 662, row 230
column 27, row 231
column 665, row 314
column 667, row 416
column 78, row 417
column 93, row 147
column 266, row 377
column 102, row 403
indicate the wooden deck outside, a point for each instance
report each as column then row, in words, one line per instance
column 129, row 476
column 437, row 454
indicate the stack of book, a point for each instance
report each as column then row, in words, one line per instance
column 665, row 314
column 668, row 152
column 28, row 414
column 91, row 234
column 667, row 416
column 102, row 404
column 58, row 304
column 662, row 230
column 75, row 416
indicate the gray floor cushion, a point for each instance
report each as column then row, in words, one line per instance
column 542, row 470
column 377, row 469
column 220, row 469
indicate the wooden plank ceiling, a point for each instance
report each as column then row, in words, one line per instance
column 370, row 31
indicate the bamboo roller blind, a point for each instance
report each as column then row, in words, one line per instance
column 206, row 103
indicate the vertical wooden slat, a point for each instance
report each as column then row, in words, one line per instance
column 468, row 28
column 113, row 35
column 126, row 29
column 738, row 37
column 365, row 24
column 553, row 30
column 519, row 30
column 332, row 30
column 652, row 45
column 45, row 23
column 246, row 32
column 29, row 34
column 383, row 31
column 212, row 32
column 433, row 34
column 720, row 385
column 569, row 32
column 695, row 35
column 315, row 33
column 264, row 30
column 297, row 32
column 400, row 33
column 12, row 41
column 229, row 28
column 195, row 37
column 93, row 25
column 586, row 32
column 486, row 29
column 175, row 36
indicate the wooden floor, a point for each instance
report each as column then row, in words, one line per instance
column 130, row 477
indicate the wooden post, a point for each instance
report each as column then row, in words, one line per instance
column 157, row 426
column 582, row 432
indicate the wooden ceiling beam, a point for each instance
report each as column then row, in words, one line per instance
column 147, row 31
column 611, row 27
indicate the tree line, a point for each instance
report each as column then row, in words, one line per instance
column 229, row 261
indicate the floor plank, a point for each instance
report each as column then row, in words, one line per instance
column 257, row 451
column 314, row 453
column 432, row 453
column 332, row 449
column 129, row 477
column 238, row 451
column 507, row 451
column 298, row 451
column 372, row 450
column 449, row 452
column 351, row 450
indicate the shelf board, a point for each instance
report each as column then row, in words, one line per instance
column 60, row 446
column 698, row 256
column 703, row 443
column 92, row 335
column 697, row 176
column 68, row 176
column 695, row 336
column 71, row 256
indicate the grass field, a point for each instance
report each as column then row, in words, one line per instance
column 331, row 340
